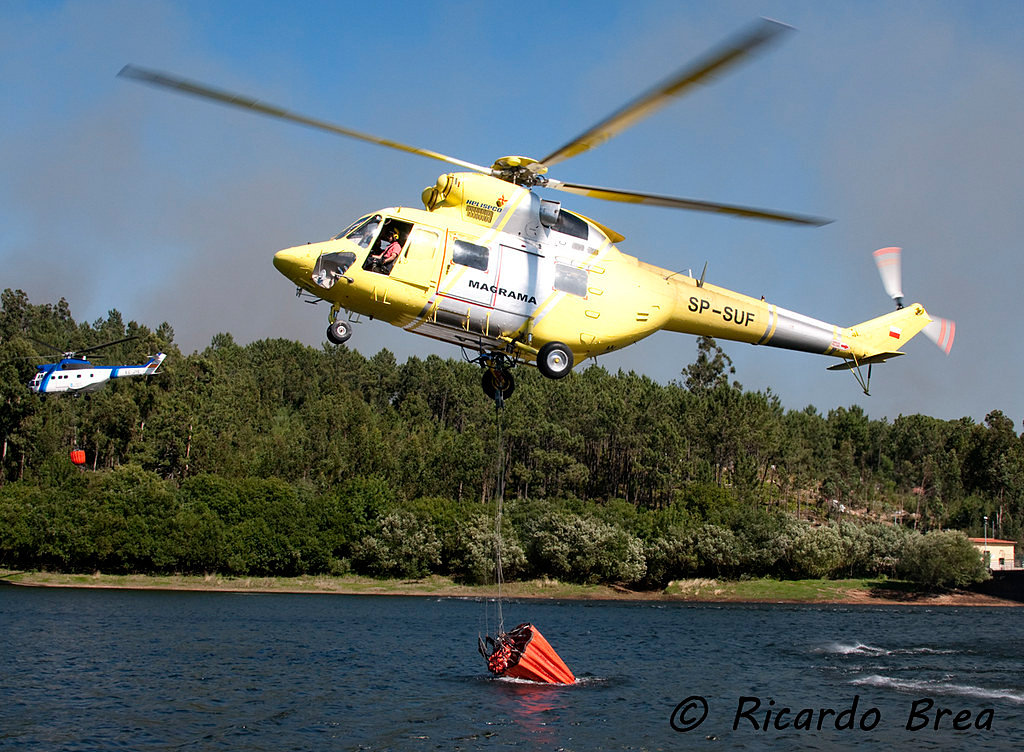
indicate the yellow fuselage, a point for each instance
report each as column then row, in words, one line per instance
column 491, row 266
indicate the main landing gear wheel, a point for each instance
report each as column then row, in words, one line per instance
column 554, row 360
column 498, row 384
column 339, row 332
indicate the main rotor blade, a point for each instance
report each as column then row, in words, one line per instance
column 106, row 344
column 168, row 81
column 45, row 344
column 716, row 61
column 634, row 197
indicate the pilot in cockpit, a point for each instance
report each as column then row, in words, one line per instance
column 383, row 260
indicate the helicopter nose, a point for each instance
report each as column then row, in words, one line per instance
column 295, row 262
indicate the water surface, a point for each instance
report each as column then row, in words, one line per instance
column 149, row 670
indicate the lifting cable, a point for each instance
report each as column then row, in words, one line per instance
column 499, row 503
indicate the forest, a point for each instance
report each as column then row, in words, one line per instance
column 276, row 458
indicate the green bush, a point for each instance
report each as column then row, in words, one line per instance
column 940, row 559
column 404, row 545
column 720, row 552
column 670, row 556
column 471, row 555
column 582, row 549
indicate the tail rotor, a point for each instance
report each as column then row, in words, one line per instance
column 941, row 332
column 888, row 260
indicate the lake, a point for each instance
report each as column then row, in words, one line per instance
column 85, row 669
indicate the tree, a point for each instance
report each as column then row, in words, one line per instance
column 275, row 457
column 711, row 369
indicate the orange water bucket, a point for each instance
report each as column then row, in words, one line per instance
column 78, row 456
column 523, row 653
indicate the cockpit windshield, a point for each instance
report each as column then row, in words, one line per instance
column 361, row 232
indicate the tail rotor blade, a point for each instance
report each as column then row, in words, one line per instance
column 941, row 332
column 889, row 268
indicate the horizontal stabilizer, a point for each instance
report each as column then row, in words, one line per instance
column 877, row 358
column 887, row 334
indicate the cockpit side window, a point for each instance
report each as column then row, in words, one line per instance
column 392, row 239
column 362, row 232
column 330, row 267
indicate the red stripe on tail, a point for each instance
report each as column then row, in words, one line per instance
column 946, row 334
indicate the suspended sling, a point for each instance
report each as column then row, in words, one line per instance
column 523, row 653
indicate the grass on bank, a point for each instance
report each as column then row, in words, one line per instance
column 754, row 590
column 764, row 589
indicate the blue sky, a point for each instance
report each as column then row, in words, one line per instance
column 902, row 121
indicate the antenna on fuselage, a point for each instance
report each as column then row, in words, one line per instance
column 700, row 282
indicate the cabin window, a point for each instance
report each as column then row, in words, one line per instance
column 570, row 224
column 471, row 255
column 571, row 280
column 422, row 244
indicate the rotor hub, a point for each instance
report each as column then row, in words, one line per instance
column 523, row 171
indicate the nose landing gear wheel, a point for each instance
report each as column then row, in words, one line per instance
column 339, row 332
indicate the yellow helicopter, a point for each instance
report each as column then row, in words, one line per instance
column 491, row 266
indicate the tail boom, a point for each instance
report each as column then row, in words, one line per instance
column 872, row 341
column 724, row 314
column 147, row 369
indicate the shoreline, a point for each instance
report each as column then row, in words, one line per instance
column 820, row 592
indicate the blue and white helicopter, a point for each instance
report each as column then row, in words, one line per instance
column 75, row 375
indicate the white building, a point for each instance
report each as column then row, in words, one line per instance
column 997, row 554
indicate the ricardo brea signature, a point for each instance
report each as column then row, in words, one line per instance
column 759, row 714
